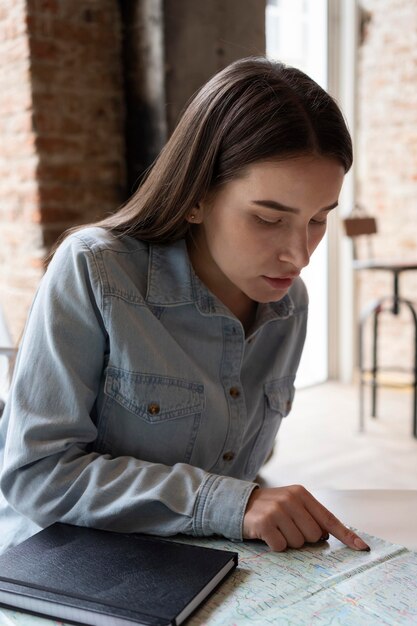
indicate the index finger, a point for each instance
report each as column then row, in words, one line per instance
column 334, row 526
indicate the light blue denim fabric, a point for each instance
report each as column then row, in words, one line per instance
column 138, row 404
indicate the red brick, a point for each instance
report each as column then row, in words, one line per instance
column 45, row 6
column 61, row 122
column 44, row 49
column 51, row 215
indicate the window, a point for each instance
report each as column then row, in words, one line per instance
column 296, row 33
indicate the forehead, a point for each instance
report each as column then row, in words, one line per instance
column 289, row 181
column 299, row 166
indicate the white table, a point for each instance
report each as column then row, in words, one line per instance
column 387, row 513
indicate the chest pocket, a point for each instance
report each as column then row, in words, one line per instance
column 154, row 418
column 278, row 398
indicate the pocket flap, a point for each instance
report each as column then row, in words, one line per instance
column 152, row 397
column 280, row 395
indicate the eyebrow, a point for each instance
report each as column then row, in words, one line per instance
column 272, row 204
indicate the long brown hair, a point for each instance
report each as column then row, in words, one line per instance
column 255, row 109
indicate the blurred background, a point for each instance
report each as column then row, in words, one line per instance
column 91, row 89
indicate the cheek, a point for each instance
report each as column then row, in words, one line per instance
column 314, row 239
column 218, row 225
column 229, row 235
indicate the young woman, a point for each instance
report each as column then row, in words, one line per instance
column 160, row 353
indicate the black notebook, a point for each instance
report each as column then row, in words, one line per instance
column 103, row 578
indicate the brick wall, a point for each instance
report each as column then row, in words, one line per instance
column 20, row 249
column 62, row 148
column 386, row 155
column 62, row 126
column 87, row 91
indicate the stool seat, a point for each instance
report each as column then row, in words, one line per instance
column 383, row 264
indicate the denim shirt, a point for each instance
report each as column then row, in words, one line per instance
column 138, row 404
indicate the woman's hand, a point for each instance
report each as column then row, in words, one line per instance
column 290, row 516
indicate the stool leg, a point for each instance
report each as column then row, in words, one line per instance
column 374, row 382
column 414, row 315
column 361, row 378
column 415, row 386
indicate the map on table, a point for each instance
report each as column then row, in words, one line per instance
column 325, row 584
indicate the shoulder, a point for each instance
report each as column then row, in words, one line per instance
column 96, row 246
column 93, row 255
column 97, row 240
column 126, row 267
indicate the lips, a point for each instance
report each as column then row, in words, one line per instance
column 283, row 282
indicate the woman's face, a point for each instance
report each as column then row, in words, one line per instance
column 255, row 234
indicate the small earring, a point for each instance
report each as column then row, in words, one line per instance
column 192, row 216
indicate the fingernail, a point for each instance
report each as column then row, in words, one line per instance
column 361, row 545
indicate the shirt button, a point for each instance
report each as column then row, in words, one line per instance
column 153, row 408
column 234, row 392
column 228, row 456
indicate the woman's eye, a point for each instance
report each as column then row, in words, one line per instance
column 260, row 220
column 319, row 222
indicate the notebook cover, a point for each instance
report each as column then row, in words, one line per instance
column 137, row 577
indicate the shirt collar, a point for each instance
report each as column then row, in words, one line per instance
column 173, row 282
column 169, row 275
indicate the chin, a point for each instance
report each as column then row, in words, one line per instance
column 276, row 297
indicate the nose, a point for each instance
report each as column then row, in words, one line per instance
column 295, row 250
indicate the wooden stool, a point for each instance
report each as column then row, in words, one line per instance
column 393, row 304
column 356, row 225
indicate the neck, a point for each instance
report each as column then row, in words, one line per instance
column 233, row 298
column 238, row 303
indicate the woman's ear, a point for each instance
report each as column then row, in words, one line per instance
column 195, row 216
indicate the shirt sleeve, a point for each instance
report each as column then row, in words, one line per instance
column 51, row 471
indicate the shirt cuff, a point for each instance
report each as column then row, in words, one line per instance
column 220, row 507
